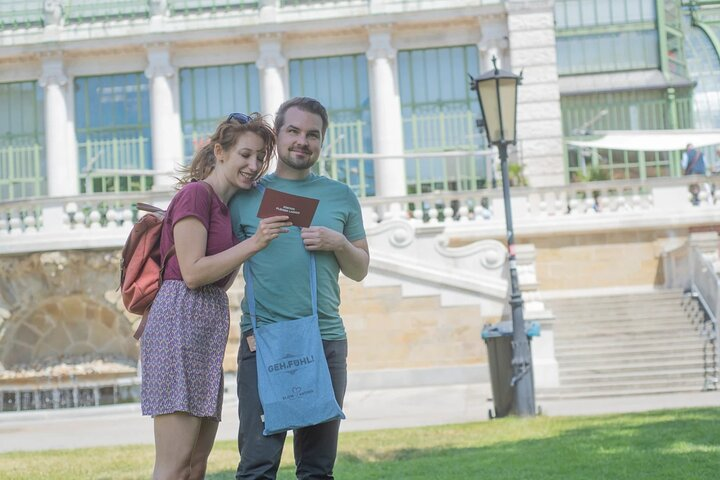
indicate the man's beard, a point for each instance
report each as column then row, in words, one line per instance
column 298, row 163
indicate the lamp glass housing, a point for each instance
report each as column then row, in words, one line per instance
column 497, row 94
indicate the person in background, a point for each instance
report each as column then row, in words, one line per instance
column 282, row 286
column 183, row 345
column 693, row 163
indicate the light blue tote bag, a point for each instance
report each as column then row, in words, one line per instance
column 293, row 377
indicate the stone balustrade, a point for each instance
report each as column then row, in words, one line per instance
column 103, row 220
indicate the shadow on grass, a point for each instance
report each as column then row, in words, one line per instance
column 656, row 445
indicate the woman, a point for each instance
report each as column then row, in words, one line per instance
column 183, row 345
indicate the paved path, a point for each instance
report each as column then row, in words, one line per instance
column 365, row 409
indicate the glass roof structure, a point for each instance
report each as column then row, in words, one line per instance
column 703, row 60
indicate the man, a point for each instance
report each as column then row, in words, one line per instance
column 693, row 163
column 282, row 287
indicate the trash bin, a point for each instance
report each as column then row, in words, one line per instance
column 498, row 338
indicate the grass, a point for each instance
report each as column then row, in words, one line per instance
column 672, row 444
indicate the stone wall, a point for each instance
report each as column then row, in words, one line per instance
column 602, row 260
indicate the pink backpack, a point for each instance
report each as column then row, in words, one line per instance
column 141, row 265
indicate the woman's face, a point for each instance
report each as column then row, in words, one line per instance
column 241, row 163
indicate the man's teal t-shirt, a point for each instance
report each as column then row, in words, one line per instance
column 281, row 271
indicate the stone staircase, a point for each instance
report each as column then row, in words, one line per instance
column 628, row 344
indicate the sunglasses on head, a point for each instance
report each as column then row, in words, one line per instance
column 240, row 117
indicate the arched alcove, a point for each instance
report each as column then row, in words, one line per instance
column 72, row 330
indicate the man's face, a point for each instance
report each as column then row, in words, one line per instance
column 300, row 139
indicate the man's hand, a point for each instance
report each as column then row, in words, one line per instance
column 353, row 257
column 323, row 239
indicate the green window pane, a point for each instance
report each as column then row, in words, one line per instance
column 21, row 14
column 595, row 13
column 76, row 11
column 209, row 94
column 439, row 113
column 607, row 52
column 341, row 84
column 23, row 168
column 112, row 114
column 184, row 7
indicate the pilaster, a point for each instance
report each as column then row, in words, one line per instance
column 531, row 37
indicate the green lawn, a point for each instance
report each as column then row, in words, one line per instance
column 671, row 444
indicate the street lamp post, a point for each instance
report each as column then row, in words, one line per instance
column 497, row 95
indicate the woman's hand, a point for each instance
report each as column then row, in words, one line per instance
column 269, row 229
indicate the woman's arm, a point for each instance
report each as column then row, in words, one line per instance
column 191, row 241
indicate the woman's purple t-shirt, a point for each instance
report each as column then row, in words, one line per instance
column 199, row 201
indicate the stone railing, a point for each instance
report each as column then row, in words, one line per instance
column 39, row 14
column 105, row 219
column 85, row 221
column 611, row 199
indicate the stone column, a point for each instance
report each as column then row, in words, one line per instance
column 271, row 63
column 62, row 168
column 531, row 34
column 166, row 131
column 273, row 89
column 387, row 122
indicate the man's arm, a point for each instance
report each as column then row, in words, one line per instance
column 353, row 257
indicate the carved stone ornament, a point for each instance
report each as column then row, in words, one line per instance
column 53, row 12
column 158, row 7
column 491, row 253
column 400, row 233
column 381, row 46
column 270, row 54
column 52, row 73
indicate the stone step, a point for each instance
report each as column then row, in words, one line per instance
column 631, row 368
column 625, row 344
column 576, row 362
column 572, row 393
column 644, row 313
column 598, row 363
column 624, row 336
column 620, row 326
column 680, row 375
column 654, row 296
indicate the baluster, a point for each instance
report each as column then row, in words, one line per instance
column 543, row 208
column 79, row 219
column 621, row 203
column 113, row 218
column 433, row 214
column 4, row 225
column 95, row 217
column 603, row 203
column 448, row 214
column 30, row 223
column 71, row 210
column 464, row 214
column 15, row 224
column 418, row 214
column 574, row 206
